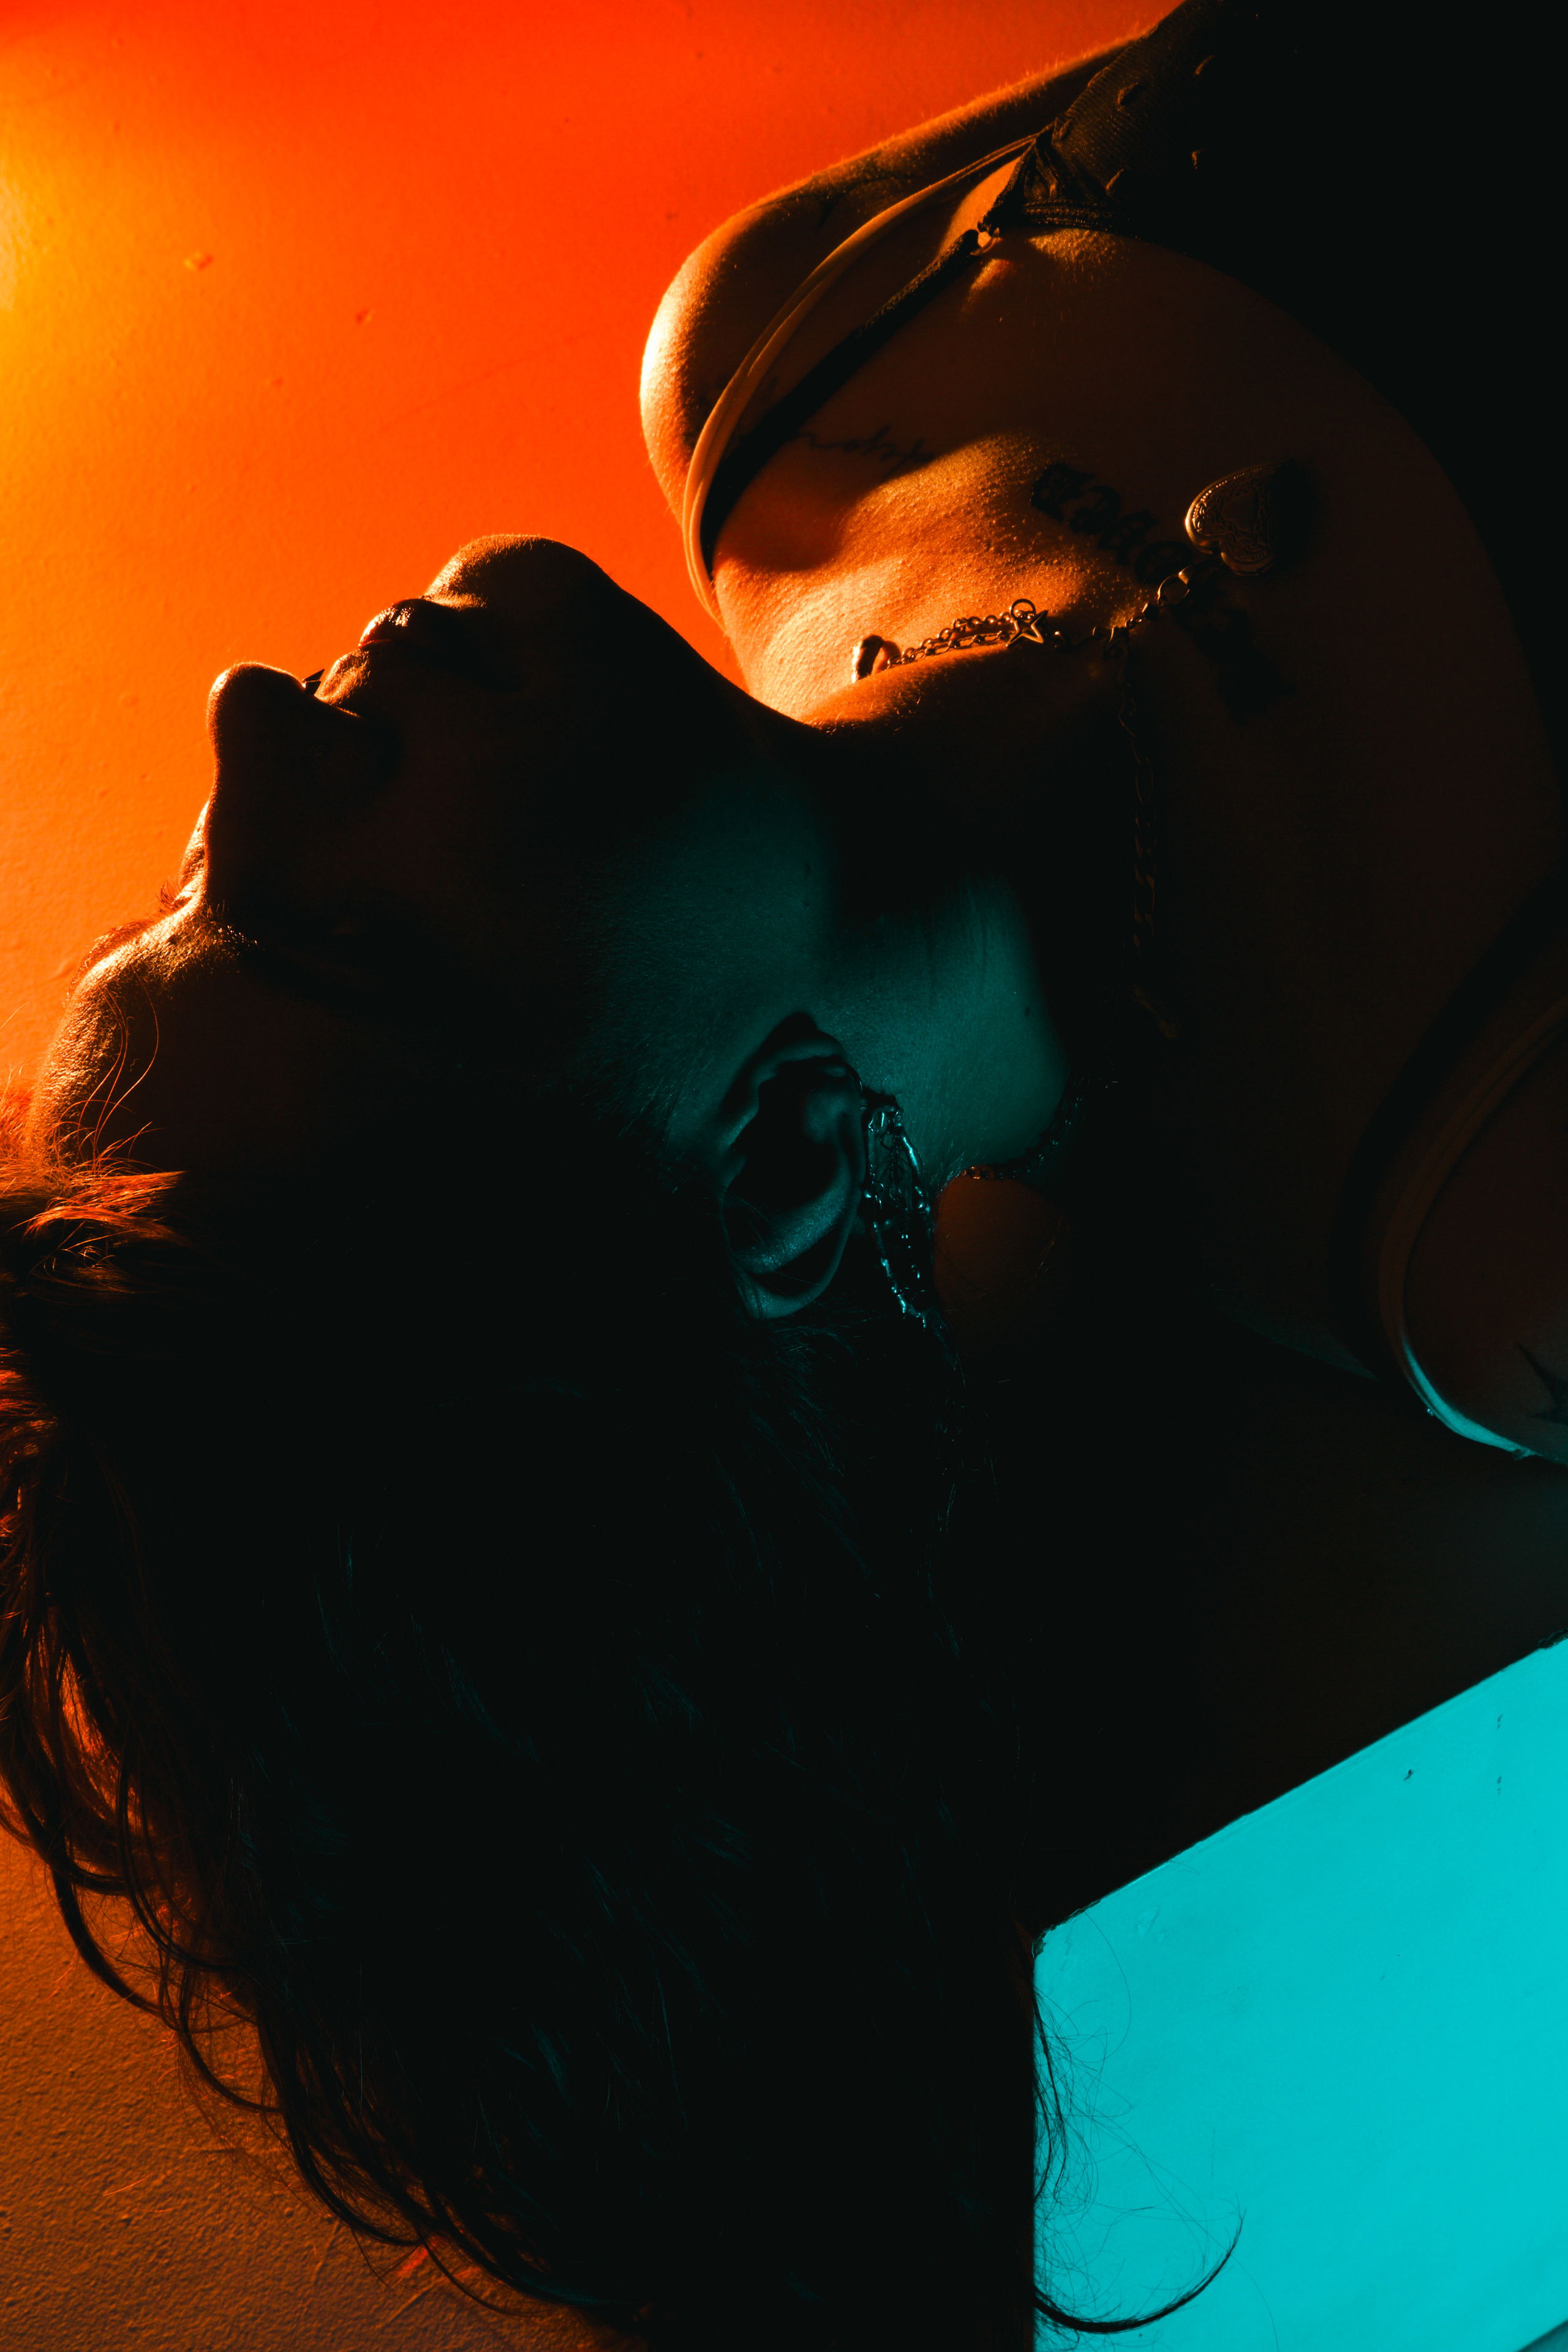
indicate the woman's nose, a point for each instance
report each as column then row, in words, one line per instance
column 283, row 763
column 270, row 736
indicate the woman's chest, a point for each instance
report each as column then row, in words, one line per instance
column 1038, row 428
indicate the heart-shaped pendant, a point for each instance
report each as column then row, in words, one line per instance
column 1237, row 519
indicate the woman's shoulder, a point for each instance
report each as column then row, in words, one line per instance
column 741, row 276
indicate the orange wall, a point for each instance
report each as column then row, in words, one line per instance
column 127, row 2224
column 295, row 298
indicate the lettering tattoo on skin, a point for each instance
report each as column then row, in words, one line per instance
column 1247, row 680
column 878, row 445
column 872, row 170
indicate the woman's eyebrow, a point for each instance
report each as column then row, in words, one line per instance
column 122, row 934
column 106, row 943
column 191, row 865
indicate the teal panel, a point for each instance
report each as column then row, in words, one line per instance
column 1344, row 2020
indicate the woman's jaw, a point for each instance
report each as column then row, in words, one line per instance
column 523, row 826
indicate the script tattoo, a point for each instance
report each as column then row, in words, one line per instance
column 879, row 446
column 1245, row 678
column 1556, row 1388
column 830, row 189
column 1070, row 495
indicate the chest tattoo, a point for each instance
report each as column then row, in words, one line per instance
column 1070, row 495
column 879, row 447
column 1246, row 679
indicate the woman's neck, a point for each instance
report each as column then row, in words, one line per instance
column 932, row 782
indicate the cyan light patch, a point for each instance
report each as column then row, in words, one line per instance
column 1343, row 2022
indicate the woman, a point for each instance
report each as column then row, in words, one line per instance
column 475, row 1390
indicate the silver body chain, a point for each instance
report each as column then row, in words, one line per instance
column 1024, row 623
column 1232, row 526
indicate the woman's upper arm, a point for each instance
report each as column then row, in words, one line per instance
column 738, row 278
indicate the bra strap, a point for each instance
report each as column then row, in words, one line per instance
column 744, row 459
column 713, row 442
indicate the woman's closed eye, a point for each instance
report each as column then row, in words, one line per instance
column 355, row 958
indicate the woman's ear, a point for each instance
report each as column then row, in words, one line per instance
column 796, row 1168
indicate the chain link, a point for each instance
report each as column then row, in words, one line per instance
column 1232, row 524
column 1236, row 522
column 1024, row 623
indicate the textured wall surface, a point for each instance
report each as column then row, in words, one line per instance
column 127, row 2224
column 295, row 300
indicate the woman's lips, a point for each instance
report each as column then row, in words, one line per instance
column 434, row 628
column 436, row 633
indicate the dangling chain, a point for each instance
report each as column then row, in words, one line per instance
column 1232, row 526
column 898, row 1212
column 1024, row 623
column 1023, row 620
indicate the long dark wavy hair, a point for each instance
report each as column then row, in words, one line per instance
column 508, row 1686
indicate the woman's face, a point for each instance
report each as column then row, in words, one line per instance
column 521, row 820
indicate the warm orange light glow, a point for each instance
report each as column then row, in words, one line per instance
column 294, row 301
